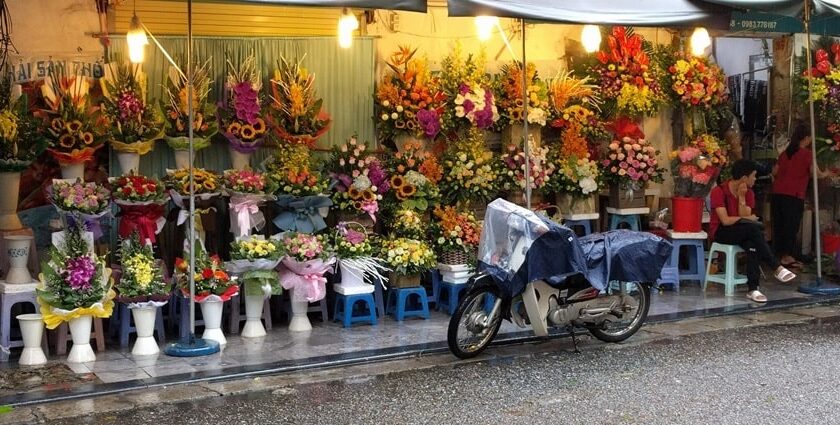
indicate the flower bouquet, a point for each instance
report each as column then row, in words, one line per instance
column 75, row 287
column 628, row 164
column 75, row 128
column 239, row 114
column 176, row 112
column 578, row 177
column 408, row 223
column 133, row 125
column 470, row 98
column 302, row 272
column 302, row 191
column 295, row 113
column 513, row 176
column 414, row 178
column 470, row 171
column 206, row 187
column 141, row 282
column 254, row 259
column 408, row 100
column 695, row 166
column 695, row 82
column 408, row 258
column 247, row 191
column 574, row 101
column 358, row 179
column 355, row 252
column 511, row 101
column 628, row 79
column 825, row 91
column 81, row 202
column 141, row 200
column 455, row 235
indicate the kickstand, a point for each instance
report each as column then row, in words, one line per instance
column 574, row 338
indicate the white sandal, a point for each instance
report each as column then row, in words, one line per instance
column 784, row 275
column 757, row 296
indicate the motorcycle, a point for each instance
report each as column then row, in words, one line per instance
column 533, row 271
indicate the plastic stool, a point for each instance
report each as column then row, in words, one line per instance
column 400, row 296
column 452, row 292
column 121, row 320
column 631, row 220
column 345, row 312
column 730, row 277
column 670, row 275
column 696, row 257
column 436, row 281
column 585, row 224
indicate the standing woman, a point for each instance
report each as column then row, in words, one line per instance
column 790, row 184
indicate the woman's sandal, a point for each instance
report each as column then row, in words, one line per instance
column 784, row 275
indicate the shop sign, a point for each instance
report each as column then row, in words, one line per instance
column 36, row 68
column 769, row 23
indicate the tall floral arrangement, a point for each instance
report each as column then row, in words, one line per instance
column 470, row 171
column 541, row 170
column 577, row 174
column 511, row 101
column 240, row 116
column 695, row 82
column 358, row 178
column 628, row 79
column 575, row 101
column 825, row 91
column 630, row 160
column 141, row 279
column 468, row 89
column 76, row 126
column 295, row 111
column 292, row 171
column 414, row 178
column 176, row 108
column 408, row 99
column 133, row 123
column 21, row 135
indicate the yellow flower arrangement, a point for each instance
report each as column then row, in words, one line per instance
column 407, row 256
column 204, row 181
column 141, row 279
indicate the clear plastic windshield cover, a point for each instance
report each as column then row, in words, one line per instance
column 508, row 233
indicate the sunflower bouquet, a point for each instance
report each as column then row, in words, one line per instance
column 414, row 178
column 358, row 178
column 294, row 111
column 469, row 94
column 205, row 183
column 133, row 124
column 408, row 99
column 75, row 126
column 574, row 101
column 239, row 114
column 470, row 171
column 176, row 108
column 511, row 101
column 21, row 135
column 141, row 280
column 254, row 259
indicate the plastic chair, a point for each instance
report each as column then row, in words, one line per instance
column 400, row 308
column 344, row 311
column 730, row 277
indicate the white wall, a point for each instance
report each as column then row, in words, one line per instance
column 54, row 27
column 733, row 55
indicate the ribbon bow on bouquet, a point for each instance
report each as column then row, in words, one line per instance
column 306, row 278
column 145, row 219
column 301, row 214
column 245, row 214
column 91, row 221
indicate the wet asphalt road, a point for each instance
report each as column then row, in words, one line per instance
column 769, row 375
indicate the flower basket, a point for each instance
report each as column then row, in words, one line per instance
column 396, row 280
column 627, row 196
column 570, row 205
column 453, row 256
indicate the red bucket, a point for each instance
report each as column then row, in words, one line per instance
column 687, row 214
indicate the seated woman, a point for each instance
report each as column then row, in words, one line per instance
column 733, row 223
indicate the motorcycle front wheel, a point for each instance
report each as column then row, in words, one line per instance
column 473, row 326
column 622, row 324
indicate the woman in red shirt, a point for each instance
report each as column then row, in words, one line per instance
column 733, row 223
column 790, row 184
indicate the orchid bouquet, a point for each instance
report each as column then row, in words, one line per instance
column 414, row 178
column 577, row 174
column 21, row 135
column 136, row 189
column 470, row 171
column 628, row 79
column 295, row 111
column 133, row 124
column 513, row 174
column 468, row 89
column 358, row 178
column 407, row 256
column 211, row 278
column 76, row 127
column 511, row 101
column 78, row 197
column 254, row 259
column 409, row 100
column 291, row 170
column 695, row 82
column 176, row 108
column 575, row 101
column 239, row 114
column 141, row 279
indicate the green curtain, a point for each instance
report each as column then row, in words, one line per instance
column 344, row 78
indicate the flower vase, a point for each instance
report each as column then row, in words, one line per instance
column 300, row 321
column 10, row 185
column 239, row 160
column 17, row 247
column 32, row 330
column 74, row 171
column 253, row 317
column 352, row 280
column 402, row 140
column 211, row 311
column 129, row 162
column 81, row 351
column 182, row 158
column 144, row 322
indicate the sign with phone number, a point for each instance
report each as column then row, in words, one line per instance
column 765, row 22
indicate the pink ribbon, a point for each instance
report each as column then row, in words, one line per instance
column 246, row 215
column 305, row 278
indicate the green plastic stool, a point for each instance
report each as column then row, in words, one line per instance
column 730, row 276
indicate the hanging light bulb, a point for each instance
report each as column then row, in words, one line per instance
column 590, row 36
column 485, row 25
column 700, row 41
column 346, row 25
column 137, row 41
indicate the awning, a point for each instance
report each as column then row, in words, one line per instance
column 408, row 5
column 783, row 7
column 643, row 13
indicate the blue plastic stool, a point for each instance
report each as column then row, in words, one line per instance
column 730, row 277
column 631, row 220
column 670, row 275
column 400, row 297
column 436, row 283
column 585, row 224
column 696, row 258
column 123, row 317
column 449, row 295
column 345, row 312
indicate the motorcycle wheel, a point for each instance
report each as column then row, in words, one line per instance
column 623, row 326
column 470, row 328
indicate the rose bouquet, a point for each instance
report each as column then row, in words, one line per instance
column 239, row 113
column 133, row 124
column 408, row 99
column 468, row 89
column 76, row 127
column 254, row 259
column 630, row 161
column 358, row 179
column 696, row 165
column 141, row 200
column 455, row 235
column 470, row 171
column 302, row 269
column 295, row 112
column 176, row 109
column 21, row 135
column 247, row 191
column 81, row 202
column 212, row 281
column 575, row 101
column 137, row 189
column 511, row 101
column 628, row 78
column 74, row 282
column 414, row 178
column 406, row 256
column 577, row 174
column 695, row 82
column 513, row 175
column 141, row 282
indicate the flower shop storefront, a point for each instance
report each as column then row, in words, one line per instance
column 323, row 236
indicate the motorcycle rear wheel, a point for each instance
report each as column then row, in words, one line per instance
column 628, row 323
column 471, row 329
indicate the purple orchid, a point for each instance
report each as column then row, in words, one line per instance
column 246, row 102
column 378, row 177
column 79, row 273
column 429, row 122
column 129, row 105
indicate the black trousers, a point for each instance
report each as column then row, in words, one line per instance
column 751, row 238
column 787, row 216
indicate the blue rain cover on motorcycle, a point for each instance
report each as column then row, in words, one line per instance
column 518, row 247
column 625, row 256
